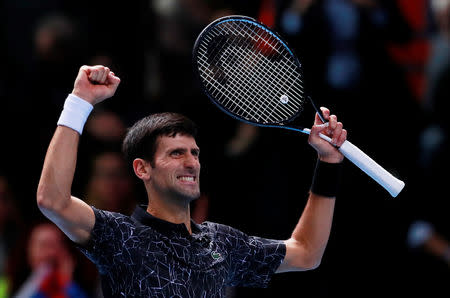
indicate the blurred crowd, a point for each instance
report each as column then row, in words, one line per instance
column 382, row 66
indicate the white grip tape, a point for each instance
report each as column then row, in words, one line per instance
column 370, row 167
column 75, row 113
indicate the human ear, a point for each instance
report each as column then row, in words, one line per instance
column 142, row 168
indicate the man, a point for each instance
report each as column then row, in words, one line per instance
column 159, row 251
column 52, row 265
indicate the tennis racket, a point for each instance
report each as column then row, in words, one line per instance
column 250, row 73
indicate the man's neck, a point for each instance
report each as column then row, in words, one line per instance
column 174, row 213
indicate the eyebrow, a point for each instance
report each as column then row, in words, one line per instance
column 183, row 149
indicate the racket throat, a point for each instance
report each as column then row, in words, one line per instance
column 296, row 128
column 318, row 111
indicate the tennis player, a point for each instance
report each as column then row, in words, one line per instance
column 159, row 251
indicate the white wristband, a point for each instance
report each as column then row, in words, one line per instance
column 75, row 113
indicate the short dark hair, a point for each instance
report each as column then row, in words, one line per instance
column 141, row 139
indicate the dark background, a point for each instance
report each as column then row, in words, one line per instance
column 382, row 102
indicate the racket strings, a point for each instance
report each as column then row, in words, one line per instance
column 243, row 106
column 240, row 103
column 243, row 72
column 251, row 82
column 267, row 39
column 236, row 83
column 205, row 69
column 246, row 107
column 260, row 70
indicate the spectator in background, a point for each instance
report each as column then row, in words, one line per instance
column 11, row 227
column 104, row 133
column 423, row 237
column 427, row 240
column 106, row 126
column 439, row 58
column 54, row 38
column 51, row 265
column 110, row 186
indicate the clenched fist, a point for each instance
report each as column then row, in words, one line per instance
column 95, row 83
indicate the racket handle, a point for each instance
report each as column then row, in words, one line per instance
column 370, row 167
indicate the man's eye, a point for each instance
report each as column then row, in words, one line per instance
column 176, row 153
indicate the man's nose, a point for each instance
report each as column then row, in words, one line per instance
column 191, row 161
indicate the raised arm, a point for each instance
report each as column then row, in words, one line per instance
column 307, row 244
column 73, row 216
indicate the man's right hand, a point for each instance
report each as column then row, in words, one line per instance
column 95, row 83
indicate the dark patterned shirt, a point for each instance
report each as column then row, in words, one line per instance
column 143, row 256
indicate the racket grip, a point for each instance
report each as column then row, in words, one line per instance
column 393, row 185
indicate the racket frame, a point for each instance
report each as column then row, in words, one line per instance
column 286, row 124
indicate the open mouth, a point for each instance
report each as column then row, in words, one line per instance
column 187, row 178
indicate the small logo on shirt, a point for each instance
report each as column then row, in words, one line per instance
column 216, row 255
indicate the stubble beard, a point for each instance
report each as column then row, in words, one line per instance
column 181, row 194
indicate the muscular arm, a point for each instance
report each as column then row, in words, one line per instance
column 307, row 244
column 73, row 216
column 305, row 248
